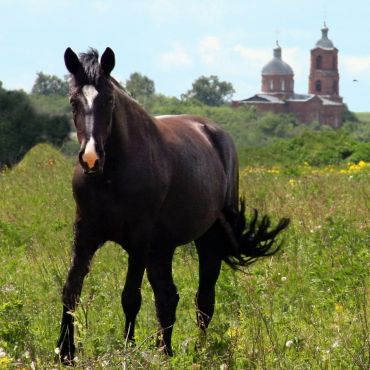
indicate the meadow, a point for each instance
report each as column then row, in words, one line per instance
column 305, row 308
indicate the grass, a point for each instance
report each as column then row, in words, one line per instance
column 306, row 308
column 363, row 116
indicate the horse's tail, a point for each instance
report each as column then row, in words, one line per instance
column 252, row 240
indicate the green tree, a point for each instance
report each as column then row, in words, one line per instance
column 140, row 86
column 49, row 85
column 210, row 91
column 21, row 127
column 349, row 116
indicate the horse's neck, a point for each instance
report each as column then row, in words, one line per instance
column 131, row 126
column 133, row 116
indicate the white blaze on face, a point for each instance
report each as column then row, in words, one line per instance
column 90, row 94
column 90, row 156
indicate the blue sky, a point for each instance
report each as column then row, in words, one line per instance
column 174, row 42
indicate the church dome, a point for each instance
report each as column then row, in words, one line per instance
column 325, row 42
column 277, row 66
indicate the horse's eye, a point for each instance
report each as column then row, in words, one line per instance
column 110, row 100
column 74, row 105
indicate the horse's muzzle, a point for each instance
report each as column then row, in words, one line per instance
column 92, row 165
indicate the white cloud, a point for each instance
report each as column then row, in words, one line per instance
column 177, row 57
column 259, row 57
column 299, row 60
column 356, row 65
column 255, row 55
column 209, row 48
column 163, row 11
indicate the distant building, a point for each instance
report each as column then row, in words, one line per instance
column 322, row 103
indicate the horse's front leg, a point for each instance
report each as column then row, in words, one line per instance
column 84, row 247
column 159, row 271
column 131, row 294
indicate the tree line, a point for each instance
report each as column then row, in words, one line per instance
column 22, row 127
column 206, row 90
column 44, row 115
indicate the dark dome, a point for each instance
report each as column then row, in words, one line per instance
column 325, row 42
column 277, row 66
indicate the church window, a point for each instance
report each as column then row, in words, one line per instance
column 282, row 85
column 271, row 85
column 319, row 62
column 318, row 85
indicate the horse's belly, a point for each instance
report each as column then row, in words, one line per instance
column 182, row 228
column 187, row 219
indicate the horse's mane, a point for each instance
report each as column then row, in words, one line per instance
column 90, row 64
column 119, row 86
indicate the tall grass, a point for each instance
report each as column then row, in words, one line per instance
column 306, row 308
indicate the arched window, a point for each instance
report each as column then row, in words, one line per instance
column 271, row 85
column 334, row 62
column 318, row 85
column 282, row 85
column 319, row 62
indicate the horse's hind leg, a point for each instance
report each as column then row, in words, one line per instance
column 131, row 294
column 209, row 248
column 159, row 271
column 85, row 245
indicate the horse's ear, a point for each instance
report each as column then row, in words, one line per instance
column 107, row 61
column 71, row 61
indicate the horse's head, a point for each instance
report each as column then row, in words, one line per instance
column 92, row 100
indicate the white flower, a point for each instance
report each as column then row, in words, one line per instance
column 2, row 352
column 57, row 351
column 284, row 278
column 289, row 343
column 336, row 344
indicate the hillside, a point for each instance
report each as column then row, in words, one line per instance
column 307, row 307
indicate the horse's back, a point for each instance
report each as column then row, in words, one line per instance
column 206, row 130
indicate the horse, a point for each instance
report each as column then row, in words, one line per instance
column 151, row 184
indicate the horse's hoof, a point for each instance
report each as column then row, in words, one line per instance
column 65, row 357
column 67, row 360
column 166, row 350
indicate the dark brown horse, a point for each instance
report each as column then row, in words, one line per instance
column 151, row 184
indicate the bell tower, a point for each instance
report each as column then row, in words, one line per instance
column 324, row 75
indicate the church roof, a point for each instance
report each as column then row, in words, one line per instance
column 263, row 98
column 267, row 98
column 325, row 42
column 277, row 66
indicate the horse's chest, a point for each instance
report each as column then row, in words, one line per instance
column 112, row 202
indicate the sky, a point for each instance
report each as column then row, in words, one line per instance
column 173, row 42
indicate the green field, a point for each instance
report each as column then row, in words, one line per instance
column 363, row 116
column 306, row 308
